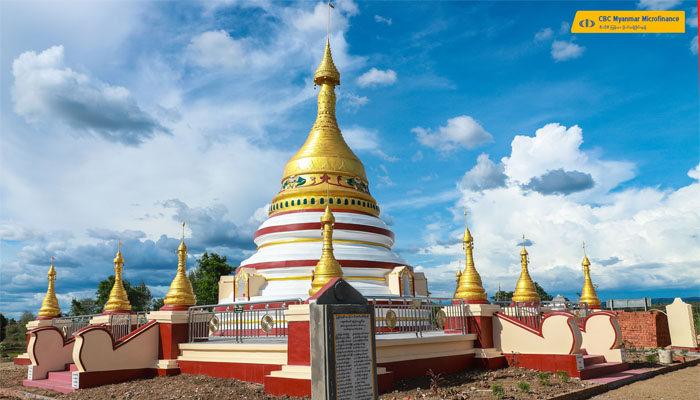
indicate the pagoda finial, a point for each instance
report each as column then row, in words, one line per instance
column 181, row 295
column 525, row 290
column 588, row 294
column 469, row 286
column 327, row 267
column 49, row 307
column 118, row 299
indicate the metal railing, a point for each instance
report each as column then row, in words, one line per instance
column 120, row 325
column 239, row 321
column 418, row 314
column 70, row 325
column 531, row 314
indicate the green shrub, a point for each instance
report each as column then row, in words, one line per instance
column 524, row 386
column 497, row 391
column 651, row 357
column 563, row 375
column 543, row 378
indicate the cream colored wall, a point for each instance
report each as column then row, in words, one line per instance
column 225, row 288
column 420, row 283
column 560, row 335
column 247, row 353
column 47, row 352
column 680, row 324
column 602, row 336
column 93, row 350
column 392, row 349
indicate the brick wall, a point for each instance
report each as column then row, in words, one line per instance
column 644, row 328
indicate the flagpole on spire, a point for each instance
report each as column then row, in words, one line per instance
column 328, row 30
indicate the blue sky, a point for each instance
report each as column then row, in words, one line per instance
column 121, row 119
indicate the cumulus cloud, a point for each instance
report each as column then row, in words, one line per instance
column 644, row 237
column 45, row 89
column 544, row 34
column 559, row 181
column 377, row 77
column 694, row 45
column 692, row 19
column 365, row 140
column 562, row 51
column 484, row 175
column 216, row 49
column 382, row 20
column 351, row 101
column 463, row 131
column 658, row 4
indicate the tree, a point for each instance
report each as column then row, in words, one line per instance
column 205, row 277
column 157, row 303
column 544, row 296
column 139, row 295
column 506, row 296
column 3, row 324
column 84, row 306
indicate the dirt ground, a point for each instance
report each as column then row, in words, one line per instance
column 683, row 384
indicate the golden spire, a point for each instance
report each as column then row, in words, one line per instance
column 588, row 294
column 327, row 267
column 469, row 286
column 49, row 307
column 118, row 299
column 325, row 161
column 525, row 288
column 181, row 293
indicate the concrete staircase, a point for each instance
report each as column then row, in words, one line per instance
column 60, row 381
column 595, row 366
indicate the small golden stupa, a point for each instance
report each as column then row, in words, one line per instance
column 49, row 307
column 525, row 290
column 118, row 299
column 588, row 294
column 327, row 267
column 469, row 286
column 180, row 295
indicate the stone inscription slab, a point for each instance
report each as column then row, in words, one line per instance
column 353, row 357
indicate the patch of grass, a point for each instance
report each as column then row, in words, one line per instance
column 435, row 381
column 524, row 387
column 543, row 378
column 564, row 376
column 497, row 391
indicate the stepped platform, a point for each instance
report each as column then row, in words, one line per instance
column 60, row 381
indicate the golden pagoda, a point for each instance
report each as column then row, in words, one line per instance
column 325, row 169
column 469, row 286
column 525, row 290
column 49, row 307
column 180, row 295
column 118, row 299
column 327, row 267
column 588, row 294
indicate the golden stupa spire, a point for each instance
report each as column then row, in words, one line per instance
column 327, row 267
column 180, row 294
column 469, row 286
column 525, row 290
column 49, row 307
column 325, row 161
column 588, row 294
column 118, row 299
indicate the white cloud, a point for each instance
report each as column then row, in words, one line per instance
column 694, row 45
column 692, row 18
column 45, row 90
column 380, row 19
column 462, row 131
column 351, row 101
column 564, row 28
column 362, row 139
column 650, row 234
column 377, row 77
column 544, row 34
column 216, row 49
column 562, row 51
column 484, row 175
column 658, row 4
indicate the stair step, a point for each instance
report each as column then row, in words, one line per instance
column 49, row 384
column 593, row 359
column 72, row 368
column 597, row 370
column 61, row 376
